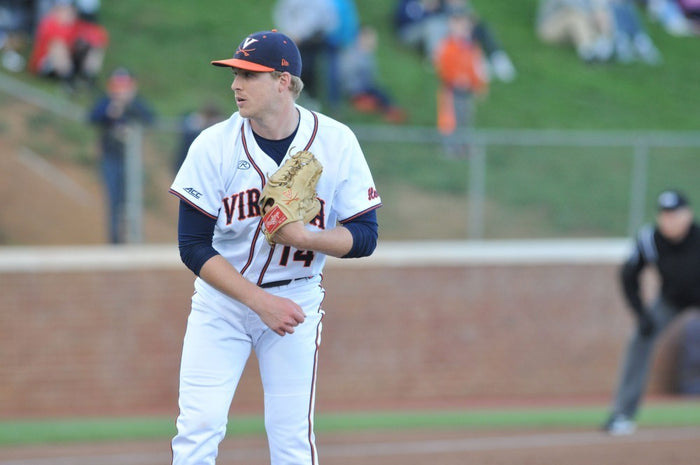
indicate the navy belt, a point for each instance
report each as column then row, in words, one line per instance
column 282, row 282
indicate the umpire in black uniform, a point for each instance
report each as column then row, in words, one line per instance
column 672, row 246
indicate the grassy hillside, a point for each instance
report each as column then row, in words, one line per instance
column 531, row 191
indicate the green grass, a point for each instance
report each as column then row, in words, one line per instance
column 685, row 413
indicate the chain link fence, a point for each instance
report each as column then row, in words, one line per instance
column 529, row 170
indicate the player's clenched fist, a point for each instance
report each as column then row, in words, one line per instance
column 281, row 315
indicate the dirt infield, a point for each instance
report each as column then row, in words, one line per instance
column 649, row 446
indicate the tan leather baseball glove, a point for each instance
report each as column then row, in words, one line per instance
column 290, row 193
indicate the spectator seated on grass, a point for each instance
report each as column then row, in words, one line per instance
column 67, row 47
column 15, row 29
column 691, row 9
column 423, row 24
column 587, row 25
column 632, row 42
column 419, row 24
column 359, row 78
column 671, row 15
column 309, row 23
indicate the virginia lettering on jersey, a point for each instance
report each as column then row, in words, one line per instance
column 244, row 205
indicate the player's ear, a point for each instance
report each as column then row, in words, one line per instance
column 285, row 81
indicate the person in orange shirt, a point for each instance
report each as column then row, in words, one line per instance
column 461, row 69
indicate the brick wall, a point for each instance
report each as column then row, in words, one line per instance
column 101, row 334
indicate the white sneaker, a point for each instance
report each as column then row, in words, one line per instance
column 502, row 67
column 620, row 425
column 13, row 61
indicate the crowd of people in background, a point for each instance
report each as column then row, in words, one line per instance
column 339, row 49
column 423, row 24
column 602, row 31
column 458, row 45
column 336, row 44
column 465, row 54
column 66, row 41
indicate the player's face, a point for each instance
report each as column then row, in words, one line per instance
column 674, row 224
column 255, row 93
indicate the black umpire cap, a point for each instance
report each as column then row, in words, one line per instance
column 671, row 199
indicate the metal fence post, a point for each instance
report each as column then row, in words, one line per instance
column 638, row 187
column 134, row 184
column 477, row 192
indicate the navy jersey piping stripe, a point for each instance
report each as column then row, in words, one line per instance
column 272, row 250
column 258, row 231
column 312, row 397
column 260, row 225
column 314, row 132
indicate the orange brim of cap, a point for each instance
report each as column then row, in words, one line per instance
column 242, row 64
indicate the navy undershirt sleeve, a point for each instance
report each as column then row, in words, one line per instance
column 364, row 230
column 195, row 232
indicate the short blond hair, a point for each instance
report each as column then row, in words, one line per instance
column 296, row 85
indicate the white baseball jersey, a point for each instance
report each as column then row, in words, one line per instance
column 223, row 176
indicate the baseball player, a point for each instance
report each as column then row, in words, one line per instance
column 673, row 248
column 252, row 293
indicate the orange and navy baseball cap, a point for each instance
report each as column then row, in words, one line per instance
column 265, row 51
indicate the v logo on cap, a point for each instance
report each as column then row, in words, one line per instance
column 244, row 48
column 248, row 41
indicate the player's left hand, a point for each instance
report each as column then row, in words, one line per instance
column 290, row 193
